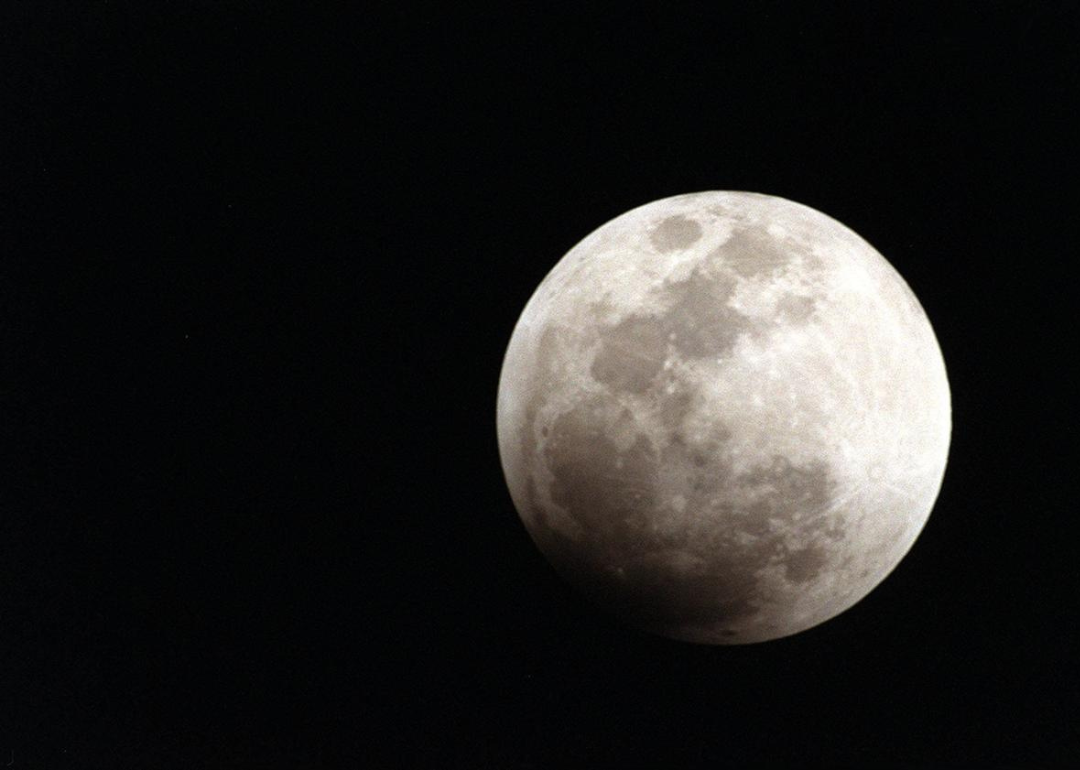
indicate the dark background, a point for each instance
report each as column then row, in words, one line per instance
column 258, row 268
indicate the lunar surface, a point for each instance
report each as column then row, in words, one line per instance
column 724, row 417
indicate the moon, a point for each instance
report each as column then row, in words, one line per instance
column 724, row 417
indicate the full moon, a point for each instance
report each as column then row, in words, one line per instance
column 724, row 417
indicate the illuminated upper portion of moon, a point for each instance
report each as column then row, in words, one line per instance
column 725, row 416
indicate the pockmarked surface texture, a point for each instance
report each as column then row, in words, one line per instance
column 724, row 417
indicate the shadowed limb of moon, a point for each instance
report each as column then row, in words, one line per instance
column 724, row 417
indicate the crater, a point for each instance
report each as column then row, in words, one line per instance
column 675, row 232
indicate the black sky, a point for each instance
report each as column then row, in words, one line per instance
column 258, row 268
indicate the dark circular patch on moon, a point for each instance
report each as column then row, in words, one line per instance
column 751, row 251
column 675, row 232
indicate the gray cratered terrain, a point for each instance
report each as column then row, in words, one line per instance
column 724, row 417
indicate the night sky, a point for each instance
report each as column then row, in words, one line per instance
column 259, row 264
